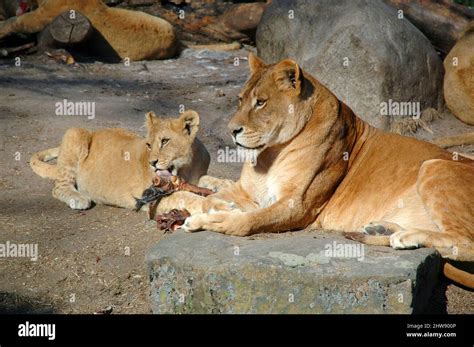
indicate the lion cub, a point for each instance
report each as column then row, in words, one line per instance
column 115, row 166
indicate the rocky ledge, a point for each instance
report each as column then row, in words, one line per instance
column 298, row 272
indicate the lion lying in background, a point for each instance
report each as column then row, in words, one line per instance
column 131, row 34
column 318, row 164
column 459, row 86
column 115, row 166
column 459, row 77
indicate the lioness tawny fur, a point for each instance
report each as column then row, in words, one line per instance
column 318, row 164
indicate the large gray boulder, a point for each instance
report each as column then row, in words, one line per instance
column 361, row 50
column 298, row 272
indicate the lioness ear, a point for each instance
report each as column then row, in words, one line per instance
column 151, row 120
column 288, row 76
column 190, row 122
column 255, row 63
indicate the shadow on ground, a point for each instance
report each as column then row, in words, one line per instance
column 12, row 303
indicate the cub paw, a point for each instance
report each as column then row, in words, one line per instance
column 79, row 203
column 213, row 183
column 207, row 182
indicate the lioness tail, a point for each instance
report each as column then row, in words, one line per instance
column 39, row 165
column 459, row 276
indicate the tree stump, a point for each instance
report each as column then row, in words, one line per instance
column 442, row 21
column 70, row 28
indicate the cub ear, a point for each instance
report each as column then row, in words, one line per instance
column 151, row 120
column 255, row 63
column 288, row 76
column 190, row 122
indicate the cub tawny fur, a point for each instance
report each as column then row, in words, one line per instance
column 115, row 166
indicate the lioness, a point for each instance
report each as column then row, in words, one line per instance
column 459, row 86
column 132, row 34
column 318, row 164
column 115, row 166
column 459, row 77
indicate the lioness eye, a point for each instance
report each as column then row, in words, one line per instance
column 164, row 142
column 260, row 103
column 148, row 146
column 240, row 101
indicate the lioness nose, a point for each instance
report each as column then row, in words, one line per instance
column 237, row 131
column 153, row 162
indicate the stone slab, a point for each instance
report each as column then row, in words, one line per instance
column 298, row 272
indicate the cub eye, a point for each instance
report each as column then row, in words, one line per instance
column 148, row 146
column 164, row 142
column 260, row 103
column 240, row 101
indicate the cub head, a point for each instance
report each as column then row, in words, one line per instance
column 270, row 110
column 169, row 141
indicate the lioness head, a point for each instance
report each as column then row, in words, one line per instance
column 170, row 141
column 271, row 103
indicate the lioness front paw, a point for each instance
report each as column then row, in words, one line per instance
column 193, row 223
column 213, row 205
column 405, row 240
column 381, row 228
column 229, row 223
column 375, row 229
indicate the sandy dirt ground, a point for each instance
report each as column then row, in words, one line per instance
column 93, row 260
